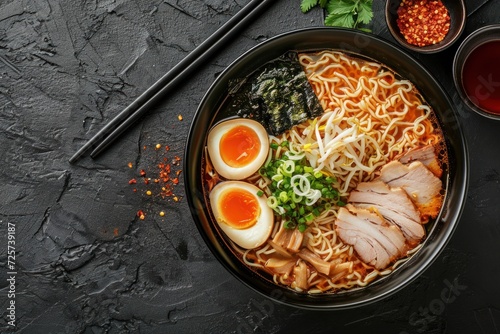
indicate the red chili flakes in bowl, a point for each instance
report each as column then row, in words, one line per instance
column 423, row 22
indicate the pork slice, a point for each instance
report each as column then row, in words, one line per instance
column 421, row 185
column 393, row 239
column 393, row 204
column 368, row 251
column 376, row 242
column 426, row 155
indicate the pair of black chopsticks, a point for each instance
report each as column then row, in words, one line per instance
column 102, row 139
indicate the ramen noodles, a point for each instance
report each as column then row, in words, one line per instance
column 353, row 190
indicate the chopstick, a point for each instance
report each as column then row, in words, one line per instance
column 172, row 79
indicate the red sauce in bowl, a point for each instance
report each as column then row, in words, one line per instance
column 481, row 76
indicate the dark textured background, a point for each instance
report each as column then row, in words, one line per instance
column 86, row 264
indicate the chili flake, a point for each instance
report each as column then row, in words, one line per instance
column 161, row 181
column 423, row 22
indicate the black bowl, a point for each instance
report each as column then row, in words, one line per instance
column 469, row 44
column 353, row 42
column 458, row 15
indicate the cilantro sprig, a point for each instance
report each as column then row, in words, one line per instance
column 343, row 13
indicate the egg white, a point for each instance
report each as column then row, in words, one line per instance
column 213, row 142
column 253, row 236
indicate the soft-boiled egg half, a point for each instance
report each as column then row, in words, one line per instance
column 238, row 148
column 244, row 216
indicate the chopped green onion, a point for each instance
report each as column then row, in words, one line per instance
column 272, row 202
column 277, row 177
column 298, row 193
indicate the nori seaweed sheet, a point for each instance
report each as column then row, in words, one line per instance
column 277, row 94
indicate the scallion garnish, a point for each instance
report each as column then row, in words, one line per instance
column 299, row 193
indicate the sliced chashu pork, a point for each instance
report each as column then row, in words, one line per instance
column 421, row 185
column 391, row 203
column 375, row 241
column 426, row 155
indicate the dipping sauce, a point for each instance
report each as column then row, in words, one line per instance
column 423, row 22
column 481, row 76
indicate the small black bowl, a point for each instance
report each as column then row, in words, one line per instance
column 458, row 14
column 469, row 44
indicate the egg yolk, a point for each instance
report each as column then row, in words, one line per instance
column 239, row 208
column 239, row 146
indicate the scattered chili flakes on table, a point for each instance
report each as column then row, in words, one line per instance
column 164, row 180
column 141, row 215
column 423, row 22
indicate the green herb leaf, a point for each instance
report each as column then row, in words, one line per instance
column 365, row 13
column 341, row 6
column 344, row 13
column 307, row 5
column 340, row 20
column 323, row 3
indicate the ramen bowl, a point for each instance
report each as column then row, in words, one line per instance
column 456, row 11
column 367, row 46
column 476, row 73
